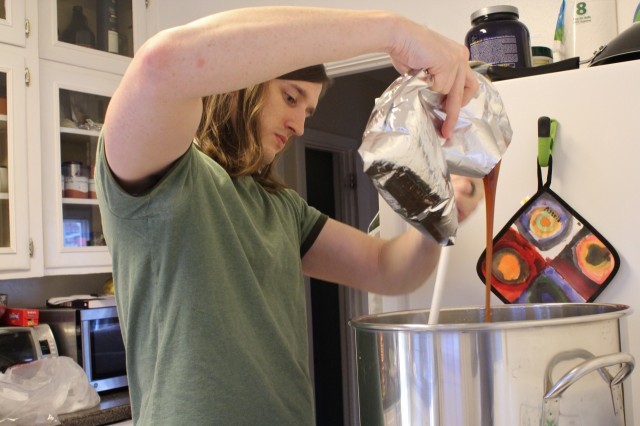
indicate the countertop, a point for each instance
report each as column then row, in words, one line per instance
column 114, row 407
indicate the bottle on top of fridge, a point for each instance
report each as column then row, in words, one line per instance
column 583, row 27
column 497, row 37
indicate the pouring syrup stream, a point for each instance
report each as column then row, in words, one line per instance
column 490, row 182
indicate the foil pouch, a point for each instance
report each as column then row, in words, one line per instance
column 409, row 163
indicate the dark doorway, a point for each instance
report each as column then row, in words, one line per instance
column 325, row 301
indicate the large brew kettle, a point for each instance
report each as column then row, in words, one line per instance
column 540, row 364
column 624, row 47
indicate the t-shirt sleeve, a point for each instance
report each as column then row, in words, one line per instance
column 167, row 192
column 311, row 220
column 313, row 234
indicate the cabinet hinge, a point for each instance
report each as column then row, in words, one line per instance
column 27, row 27
column 30, row 247
column 27, row 76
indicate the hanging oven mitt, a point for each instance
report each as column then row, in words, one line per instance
column 547, row 252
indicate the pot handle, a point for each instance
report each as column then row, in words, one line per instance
column 569, row 355
column 590, row 365
column 551, row 399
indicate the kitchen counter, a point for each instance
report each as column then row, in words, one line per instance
column 114, row 407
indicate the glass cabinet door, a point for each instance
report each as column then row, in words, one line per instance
column 12, row 22
column 106, row 25
column 81, row 117
column 79, row 99
column 14, row 218
column 98, row 34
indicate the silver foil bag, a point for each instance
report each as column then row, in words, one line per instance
column 481, row 135
column 409, row 163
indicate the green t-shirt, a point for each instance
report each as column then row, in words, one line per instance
column 211, row 297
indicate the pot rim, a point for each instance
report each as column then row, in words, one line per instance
column 372, row 322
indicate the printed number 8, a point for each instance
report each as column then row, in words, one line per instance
column 581, row 8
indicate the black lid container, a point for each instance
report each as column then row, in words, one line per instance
column 497, row 37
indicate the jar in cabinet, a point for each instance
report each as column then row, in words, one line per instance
column 76, row 187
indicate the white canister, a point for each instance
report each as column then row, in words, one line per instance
column 583, row 27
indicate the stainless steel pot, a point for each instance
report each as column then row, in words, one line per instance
column 543, row 364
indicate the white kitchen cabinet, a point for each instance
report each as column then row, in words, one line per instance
column 13, row 25
column 79, row 71
column 73, row 107
column 14, row 217
column 44, row 231
column 114, row 30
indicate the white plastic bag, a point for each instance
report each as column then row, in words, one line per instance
column 37, row 392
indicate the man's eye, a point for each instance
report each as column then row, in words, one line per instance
column 289, row 99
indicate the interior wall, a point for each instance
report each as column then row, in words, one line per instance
column 449, row 17
column 34, row 292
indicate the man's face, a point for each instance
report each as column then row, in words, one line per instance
column 287, row 104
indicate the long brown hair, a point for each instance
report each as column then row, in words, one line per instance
column 229, row 128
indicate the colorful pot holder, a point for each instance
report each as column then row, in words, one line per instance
column 549, row 253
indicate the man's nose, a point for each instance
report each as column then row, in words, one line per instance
column 296, row 123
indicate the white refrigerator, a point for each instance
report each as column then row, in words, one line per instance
column 596, row 170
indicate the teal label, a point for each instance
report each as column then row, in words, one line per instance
column 559, row 33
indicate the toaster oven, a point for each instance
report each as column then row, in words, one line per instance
column 25, row 344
